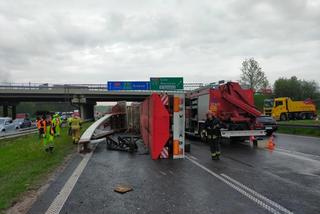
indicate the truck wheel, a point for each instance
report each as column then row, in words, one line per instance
column 303, row 116
column 309, row 116
column 203, row 136
column 283, row 117
column 269, row 133
column 187, row 147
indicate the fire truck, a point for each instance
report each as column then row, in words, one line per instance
column 233, row 105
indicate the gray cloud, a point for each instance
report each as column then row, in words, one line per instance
column 96, row 41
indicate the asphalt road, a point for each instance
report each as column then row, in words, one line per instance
column 245, row 180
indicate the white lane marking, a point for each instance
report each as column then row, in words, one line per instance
column 298, row 153
column 296, row 156
column 258, row 195
column 63, row 195
column 240, row 190
column 193, row 157
column 163, row 173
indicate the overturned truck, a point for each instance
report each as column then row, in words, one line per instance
column 162, row 120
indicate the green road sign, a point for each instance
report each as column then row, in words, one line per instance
column 166, row 83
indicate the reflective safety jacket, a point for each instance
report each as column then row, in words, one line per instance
column 49, row 128
column 42, row 124
column 212, row 127
column 75, row 123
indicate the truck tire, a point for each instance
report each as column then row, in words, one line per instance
column 187, row 147
column 255, row 143
column 309, row 116
column 203, row 136
column 283, row 117
column 303, row 116
column 269, row 133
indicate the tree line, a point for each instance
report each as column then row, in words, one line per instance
column 254, row 77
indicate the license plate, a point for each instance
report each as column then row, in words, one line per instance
column 268, row 128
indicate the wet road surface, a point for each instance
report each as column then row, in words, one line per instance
column 245, row 180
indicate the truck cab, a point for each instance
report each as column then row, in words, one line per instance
column 285, row 108
column 280, row 108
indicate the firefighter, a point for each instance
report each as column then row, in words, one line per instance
column 49, row 135
column 212, row 127
column 75, row 128
column 42, row 127
column 56, row 123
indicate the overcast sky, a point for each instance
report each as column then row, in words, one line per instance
column 203, row 41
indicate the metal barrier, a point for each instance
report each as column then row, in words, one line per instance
column 90, row 87
column 107, row 125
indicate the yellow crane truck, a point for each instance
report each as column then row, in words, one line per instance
column 284, row 108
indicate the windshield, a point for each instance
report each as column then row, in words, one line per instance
column 2, row 121
column 268, row 103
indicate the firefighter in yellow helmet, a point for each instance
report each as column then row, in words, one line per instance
column 56, row 121
column 75, row 123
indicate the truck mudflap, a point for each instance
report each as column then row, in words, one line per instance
column 242, row 133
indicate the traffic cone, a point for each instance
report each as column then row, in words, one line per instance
column 271, row 144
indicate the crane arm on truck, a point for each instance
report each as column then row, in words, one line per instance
column 234, row 97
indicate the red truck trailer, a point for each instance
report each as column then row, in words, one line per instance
column 233, row 105
column 162, row 120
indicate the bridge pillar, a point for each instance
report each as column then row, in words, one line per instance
column 14, row 112
column 87, row 111
column 5, row 110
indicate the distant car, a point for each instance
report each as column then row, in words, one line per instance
column 23, row 122
column 268, row 123
column 6, row 124
column 65, row 116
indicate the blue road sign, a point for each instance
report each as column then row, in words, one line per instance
column 128, row 85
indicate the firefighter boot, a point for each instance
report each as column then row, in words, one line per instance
column 218, row 155
column 51, row 149
column 214, row 156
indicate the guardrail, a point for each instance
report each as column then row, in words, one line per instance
column 300, row 126
column 18, row 134
column 91, row 87
column 110, row 123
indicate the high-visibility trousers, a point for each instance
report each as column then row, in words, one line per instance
column 75, row 134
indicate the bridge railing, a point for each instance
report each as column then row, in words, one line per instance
column 66, row 87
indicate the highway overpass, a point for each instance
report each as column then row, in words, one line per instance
column 83, row 95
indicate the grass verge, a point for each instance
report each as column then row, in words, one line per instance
column 23, row 163
column 300, row 131
column 301, row 122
